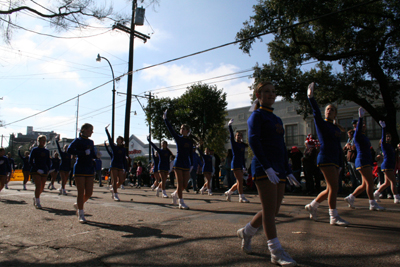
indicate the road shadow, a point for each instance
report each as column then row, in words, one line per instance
column 13, row 202
column 133, row 232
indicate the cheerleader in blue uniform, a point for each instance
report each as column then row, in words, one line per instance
column 238, row 164
column 118, row 164
column 83, row 148
column 65, row 167
column 12, row 168
column 388, row 165
column 363, row 165
column 329, row 160
column 157, row 177
column 164, row 155
column 109, row 152
column 54, row 169
column 270, row 169
column 4, row 168
column 39, row 159
column 183, row 161
column 207, row 169
column 25, row 167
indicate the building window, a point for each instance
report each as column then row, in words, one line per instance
column 241, row 116
column 292, row 135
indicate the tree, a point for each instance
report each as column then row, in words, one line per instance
column 363, row 38
column 61, row 14
column 202, row 107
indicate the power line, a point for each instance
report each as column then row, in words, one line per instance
column 54, row 36
column 254, row 36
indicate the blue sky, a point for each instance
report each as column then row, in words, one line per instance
column 38, row 72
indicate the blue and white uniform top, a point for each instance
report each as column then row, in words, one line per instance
column 331, row 153
column 363, row 147
column 184, row 149
column 266, row 139
column 163, row 158
column 389, row 156
column 25, row 167
column 84, row 165
column 39, row 159
column 65, row 157
column 118, row 158
column 238, row 149
column 207, row 162
column 4, row 166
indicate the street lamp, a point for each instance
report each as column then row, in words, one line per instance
column 98, row 59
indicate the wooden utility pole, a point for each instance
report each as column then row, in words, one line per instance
column 130, row 78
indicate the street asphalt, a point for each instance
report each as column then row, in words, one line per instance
column 145, row 230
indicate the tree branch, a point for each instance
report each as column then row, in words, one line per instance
column 11, row 11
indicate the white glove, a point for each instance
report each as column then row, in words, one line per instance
column 164, row 116
column 87, row 151
column 1, row 162
column 361, row 112
column 272, row 175
column 310, row 90
column 40, row 171
column 292, row 180
column 244, row 169
column 8, row 173
column 230, row 122
column 19, row 147
column 382, row 123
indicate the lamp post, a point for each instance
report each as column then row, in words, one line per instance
column 98, row 59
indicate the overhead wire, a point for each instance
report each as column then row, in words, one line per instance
column 54, row 36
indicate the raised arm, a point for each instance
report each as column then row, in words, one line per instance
column 169, row 126
column 107, row 149
column 232, row 136
column 359, row 127
column 110, row 140
column 153, row 145
column 59, row 148
column 383, row 125
column 19, row 153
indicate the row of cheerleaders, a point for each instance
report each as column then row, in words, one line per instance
column 270, row 169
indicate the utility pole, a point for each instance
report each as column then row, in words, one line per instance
column 132, row 34
column 130, row 78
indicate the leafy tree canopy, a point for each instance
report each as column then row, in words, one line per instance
column 202, row 107
column 61, row 14
column 363, row 37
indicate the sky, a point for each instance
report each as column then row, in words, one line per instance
column 38, row 72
